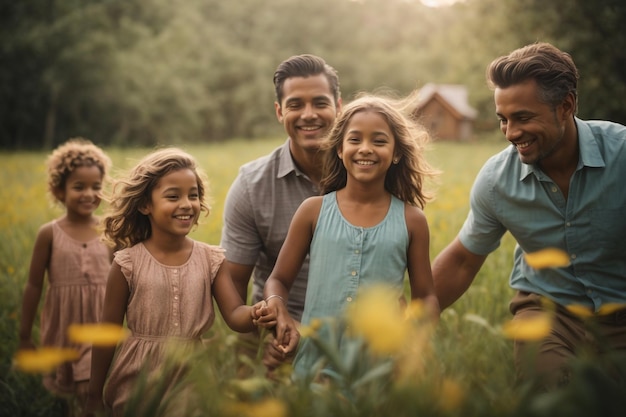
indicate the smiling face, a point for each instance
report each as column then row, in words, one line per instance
column 307, row 111
column 81, row 194
column 174, row 204
column 536, row 129
column 368, row 145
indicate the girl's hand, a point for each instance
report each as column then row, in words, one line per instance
column 263, row 316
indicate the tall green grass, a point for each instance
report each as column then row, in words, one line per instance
column 468, row 347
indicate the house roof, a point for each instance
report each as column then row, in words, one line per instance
column 455, row 95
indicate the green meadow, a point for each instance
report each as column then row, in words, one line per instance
column 466, row 370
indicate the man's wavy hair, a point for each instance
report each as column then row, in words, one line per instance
column 553, row 70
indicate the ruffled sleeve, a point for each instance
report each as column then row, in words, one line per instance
column 216, row 259
column 123, row 259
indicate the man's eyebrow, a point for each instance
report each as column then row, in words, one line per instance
column 517, row 114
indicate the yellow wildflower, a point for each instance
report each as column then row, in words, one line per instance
column 311, row 329
column 269, row 407
column 548, row 304
column 377, row 317
column 98, row 334
column 547, row 258
column 415, row 310
column 451, row 395
column 580, row 310
column 43, row 360
column 534, row 328
column 610, row 308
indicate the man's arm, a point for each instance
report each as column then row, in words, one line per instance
column 454, row 270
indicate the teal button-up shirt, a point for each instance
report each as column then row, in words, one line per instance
column 590, row 225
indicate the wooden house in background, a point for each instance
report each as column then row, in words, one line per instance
column 445, row 112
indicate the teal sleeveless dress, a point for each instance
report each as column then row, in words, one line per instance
column 343, row 259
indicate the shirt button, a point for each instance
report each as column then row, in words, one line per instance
column 349, row 299
column 573, row 256
column 554, row 189
column 176, row 324
column 353, row 273
column 175, row 271
column 175, row 297
column 568, row 224
column 357, row 251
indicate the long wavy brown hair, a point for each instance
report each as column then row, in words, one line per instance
column 405, row 180
column 124, row 224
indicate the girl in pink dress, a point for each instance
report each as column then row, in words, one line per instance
column 161, row 281
column 70, row 251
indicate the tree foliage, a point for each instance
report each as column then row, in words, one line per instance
column 162, row 72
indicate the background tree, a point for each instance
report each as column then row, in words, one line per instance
column 159, row 72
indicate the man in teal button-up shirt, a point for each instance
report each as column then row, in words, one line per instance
column 560, row 185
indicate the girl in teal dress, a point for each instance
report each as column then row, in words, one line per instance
column 367, row 228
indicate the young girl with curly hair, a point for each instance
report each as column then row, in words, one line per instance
column 70, row 251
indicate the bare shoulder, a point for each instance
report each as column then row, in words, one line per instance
column 414, row 215
column 311, row 205
column 45, row 231
column 308, row 212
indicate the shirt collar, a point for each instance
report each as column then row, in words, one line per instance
column 589, row 154
column 286, row 164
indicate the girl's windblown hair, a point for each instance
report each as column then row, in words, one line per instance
column 405, row 180
column 124, row 224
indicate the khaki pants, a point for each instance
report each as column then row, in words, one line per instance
column 548, row 360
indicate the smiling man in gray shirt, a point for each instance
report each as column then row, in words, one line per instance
column 267, row 191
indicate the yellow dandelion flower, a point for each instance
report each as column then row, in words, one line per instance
column 610, row 308
column 451, row 395
column 547, row 258
column 415, row 310
column 534, row 328
column 580, row 310
column 43, row 360
column 548, row 304
column 377, row 317
column 98, row 334
column 311, row 329
column 269, row 407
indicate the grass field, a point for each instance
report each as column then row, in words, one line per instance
column 469, row 355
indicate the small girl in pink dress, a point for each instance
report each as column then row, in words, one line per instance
column 77, row 262
column 161, row 281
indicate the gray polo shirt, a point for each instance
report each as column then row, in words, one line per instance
column 258, row 210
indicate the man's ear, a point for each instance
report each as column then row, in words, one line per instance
column 569, row 106
column 339, row 105
column 279, row 111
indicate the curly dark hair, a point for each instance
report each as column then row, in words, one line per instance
column 75, row 153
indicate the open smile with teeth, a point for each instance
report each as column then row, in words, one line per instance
column 523, row 145
column 309, row 128
column 365, row 162
column 185, row 217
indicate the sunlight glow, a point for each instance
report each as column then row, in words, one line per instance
column 440, row 3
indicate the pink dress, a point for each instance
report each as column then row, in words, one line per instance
column 77, row 278
column 166, row 303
